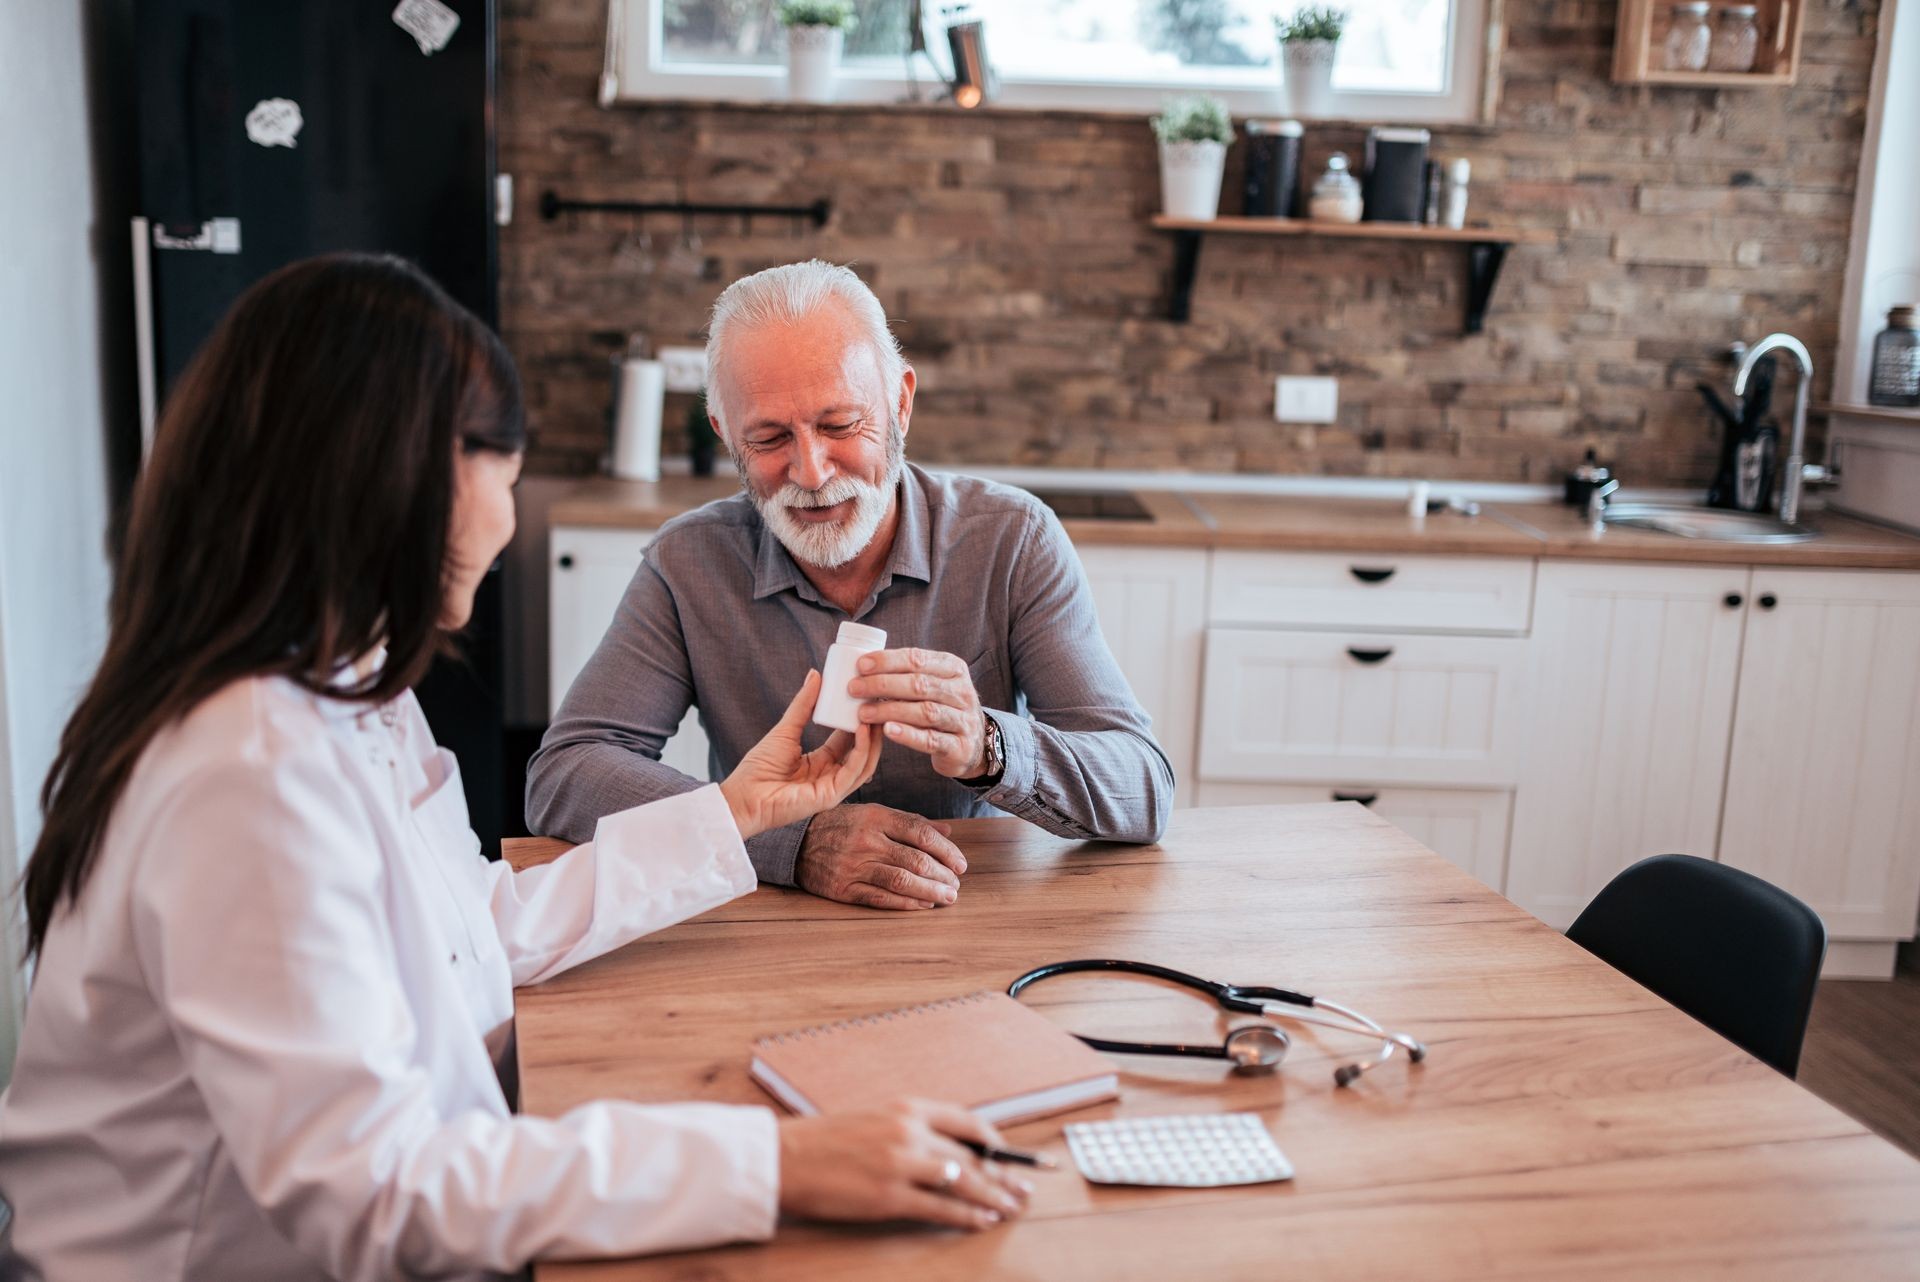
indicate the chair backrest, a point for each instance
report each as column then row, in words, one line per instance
column 1736, row 953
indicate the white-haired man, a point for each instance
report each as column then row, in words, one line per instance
column 1002, row 695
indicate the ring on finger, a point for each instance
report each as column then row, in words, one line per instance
column 949, row 1175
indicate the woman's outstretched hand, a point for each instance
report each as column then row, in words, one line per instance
column 776, row 784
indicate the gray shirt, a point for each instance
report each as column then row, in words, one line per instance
column 718, row 616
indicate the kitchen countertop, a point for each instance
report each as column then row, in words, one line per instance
column 1330, row 524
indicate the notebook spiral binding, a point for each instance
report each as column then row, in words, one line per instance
column 885, row 1016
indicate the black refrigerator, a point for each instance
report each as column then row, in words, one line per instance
column 271, row 130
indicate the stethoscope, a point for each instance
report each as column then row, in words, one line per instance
column 1253, row 1048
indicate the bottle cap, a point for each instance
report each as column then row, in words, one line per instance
column 861, row 636
column 1459, row 169
column 1901, row 317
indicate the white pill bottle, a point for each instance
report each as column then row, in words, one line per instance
column 836, row 708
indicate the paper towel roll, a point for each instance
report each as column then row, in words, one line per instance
column 636, row 420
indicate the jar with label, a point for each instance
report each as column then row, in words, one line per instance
column 1736, row 40
column 1895, row 380
column 1689, row 39
column 1336, row 194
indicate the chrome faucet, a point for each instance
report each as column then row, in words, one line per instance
column 1795, row 473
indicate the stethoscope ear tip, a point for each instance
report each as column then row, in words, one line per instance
column 1344, row 1075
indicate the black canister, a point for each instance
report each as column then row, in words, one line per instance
column 1273, row 168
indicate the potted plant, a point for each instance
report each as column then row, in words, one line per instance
column 816, row 32
column 1307, row 43
column 1193, row 132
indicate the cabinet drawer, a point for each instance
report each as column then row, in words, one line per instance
column 1386, row 707
column 1367, row 590
column 1468, row 826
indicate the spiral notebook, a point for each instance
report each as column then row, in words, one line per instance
column 984, row 1051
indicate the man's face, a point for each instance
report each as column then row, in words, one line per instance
column 815, row 433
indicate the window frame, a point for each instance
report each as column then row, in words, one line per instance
column 634, row 75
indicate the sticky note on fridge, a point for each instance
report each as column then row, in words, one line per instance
column 430, row 23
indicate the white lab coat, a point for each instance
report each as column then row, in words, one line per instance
column 264, row 1043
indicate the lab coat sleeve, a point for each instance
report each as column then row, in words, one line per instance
column 646, row 868
column 260, row 920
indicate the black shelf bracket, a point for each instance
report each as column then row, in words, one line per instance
column 552, row 205
column 1186, row 265
column 1484, row 260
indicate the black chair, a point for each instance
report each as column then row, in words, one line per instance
column 1736, row 953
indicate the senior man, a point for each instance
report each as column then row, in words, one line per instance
column 1000, row 694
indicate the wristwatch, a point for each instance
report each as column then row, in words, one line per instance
column 996, row 756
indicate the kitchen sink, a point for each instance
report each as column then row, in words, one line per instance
column 1094, row 505
column 1709, row 523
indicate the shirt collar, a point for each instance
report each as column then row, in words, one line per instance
column 774, row 569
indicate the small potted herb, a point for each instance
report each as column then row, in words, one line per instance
column 1194, row 132
column 816, row 33
column 1308, row 41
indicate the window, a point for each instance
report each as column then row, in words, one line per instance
column 1400, row 60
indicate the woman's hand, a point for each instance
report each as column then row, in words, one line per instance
column 892, row 1164
column 776, row 784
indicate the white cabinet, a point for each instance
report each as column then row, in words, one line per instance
column 1385, row 707
column 587, row 577
column 1633, row 679
column 1152, row 608
column 1467, row 825
column 1369, row 590
column 1823, row 785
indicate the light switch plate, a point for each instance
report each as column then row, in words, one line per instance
column 1306, row 400
column 686, row 368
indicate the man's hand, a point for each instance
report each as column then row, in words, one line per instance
column 926, row 701
column 880, row 858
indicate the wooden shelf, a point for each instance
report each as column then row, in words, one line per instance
column 1486, row 250
column 1640, row 40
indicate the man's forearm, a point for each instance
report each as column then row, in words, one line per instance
column 1108, row 785
column 570, row 786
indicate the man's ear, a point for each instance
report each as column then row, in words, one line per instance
column 713, row 422
column 905, row 407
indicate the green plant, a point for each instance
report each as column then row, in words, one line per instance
column 818, row 13
column 1311, row 22
column 1195, row 118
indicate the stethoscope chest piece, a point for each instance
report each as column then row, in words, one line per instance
column 1257, row 1048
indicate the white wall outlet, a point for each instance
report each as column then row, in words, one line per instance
column 1306, row 400
column 687, row 368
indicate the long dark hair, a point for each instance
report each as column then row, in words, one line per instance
column 293, row 516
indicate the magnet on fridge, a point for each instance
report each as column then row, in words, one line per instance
column 429, row 22
column 274, row 122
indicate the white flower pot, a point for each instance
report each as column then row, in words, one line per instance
column 813, row 58
column 1190, row 178
column 1307, row 67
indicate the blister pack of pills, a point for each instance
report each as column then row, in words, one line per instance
column 1197, row 1151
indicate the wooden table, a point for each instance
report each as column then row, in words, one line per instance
column 1566, row 1124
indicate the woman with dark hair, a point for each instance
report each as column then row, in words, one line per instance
column 273, row 994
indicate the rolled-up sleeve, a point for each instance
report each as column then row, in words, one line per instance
column 1083, row 762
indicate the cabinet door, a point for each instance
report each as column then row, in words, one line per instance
column 1384, row 706
column 1467, row 825
column 1632, row 684
column 1151, row 603
column 1368, row 590
column 1823, row 787
column 588, row 575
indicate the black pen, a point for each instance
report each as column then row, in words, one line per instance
column 1019, row 1157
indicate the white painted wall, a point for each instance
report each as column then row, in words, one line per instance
column 58, row 371
column 1883, row 263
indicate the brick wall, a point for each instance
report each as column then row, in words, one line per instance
column 1013, row 250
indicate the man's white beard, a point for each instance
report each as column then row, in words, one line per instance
column 829, row 547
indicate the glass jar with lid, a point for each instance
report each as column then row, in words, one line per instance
column 1895, row 379
column 1689, row 39
column 1736, row 39
column 1336, row 194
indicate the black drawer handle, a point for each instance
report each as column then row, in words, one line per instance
column 1372, row 576
column 1732, row 600
column 566, row 561
column 1369, row 656
column 1364, row 798
column 1768, row 601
